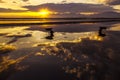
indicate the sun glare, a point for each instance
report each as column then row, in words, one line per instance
column 44, row 12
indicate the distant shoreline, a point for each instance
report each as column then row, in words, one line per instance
column 69, row 18
column 59, row 22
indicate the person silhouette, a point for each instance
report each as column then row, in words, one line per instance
column 51, row 33
column 101, row 31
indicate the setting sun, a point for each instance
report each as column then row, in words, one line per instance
column 44, row 12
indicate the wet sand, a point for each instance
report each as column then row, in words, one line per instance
column 73, row 52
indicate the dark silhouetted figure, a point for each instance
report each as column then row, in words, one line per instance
column 102, row 31
column 51, row 33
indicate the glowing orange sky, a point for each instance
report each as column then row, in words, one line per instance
column 17, row 7
column 18, row 4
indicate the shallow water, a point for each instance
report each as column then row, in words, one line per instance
column 61, row 52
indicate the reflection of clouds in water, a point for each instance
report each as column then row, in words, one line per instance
column 12, row 34
column 88, row 59
column 12, row 29
column 115, row 27
column 84, row 54
column 39, row 34
column 6, row 62
column 6, row 48
column 66, row 37
column 9, row 66
column 39, row 54
column 29, row 37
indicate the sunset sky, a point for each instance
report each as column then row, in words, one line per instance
column 33, row 8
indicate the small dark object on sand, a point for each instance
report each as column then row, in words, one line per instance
column 102, row 31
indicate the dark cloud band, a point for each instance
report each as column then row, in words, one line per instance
column 72, row 7
column 114, row 2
